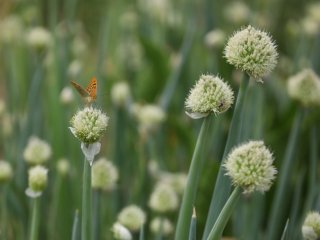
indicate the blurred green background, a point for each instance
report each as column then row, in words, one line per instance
column 159, row 48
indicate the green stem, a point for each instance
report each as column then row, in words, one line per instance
column 86, row 201
column 75, row 226
column 223, row 186
column 3, row 199
column 35, row 219
column 278, row 207
column 96, row 215
column 224, row 215
column 189, row 195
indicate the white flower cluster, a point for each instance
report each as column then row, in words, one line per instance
column 39, row 38
column 250, row 167
column 5, row 171
column 38, row 180
column 163, row 199
column 210, row 95
column 252, row 51
column 89, row 124
column 37, row 151
column 104, row 175
column 305, row 87
column 132, row 217
column 311, row 226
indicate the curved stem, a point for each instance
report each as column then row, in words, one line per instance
column 224, row 215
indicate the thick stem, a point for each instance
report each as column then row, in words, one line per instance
column 35, row 219
column 189, row 195
column 224, row 215
column 223, row 186
column 86, row 201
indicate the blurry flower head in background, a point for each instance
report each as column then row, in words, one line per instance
column 253, row 51
column 120, row 232
column 250, row 167
column 63, row 166
column 305, row 88
column 209, row 95
column 120, row 94
column 74, row 69
column 163, row 198
column 11, row 30
column 37, row 151
column 215, row 38
column 237, row 12
column 38, row 180
column 132, row 217
column 149, row 117
column 6, row 172
column 66, row 95
column 311, row 226
column 39, row 38
column 104, row 175
column 177, row 181
column 161, row 225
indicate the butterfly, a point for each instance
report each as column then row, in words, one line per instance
column 89, row 93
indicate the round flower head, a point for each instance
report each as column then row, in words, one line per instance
column 120, row 94
column 311, row 226
column 210, row 94
column 39, row 38
column 305, row 87
column 132, row 217
column 252, row 51
column 162, row 225
column 250, row 167
column 89, row 124
column 5, row 171
column 38, row 179
column 37, row 151
column 120, row 232
column 11, row 29
column 163, row 199
column 104, row 174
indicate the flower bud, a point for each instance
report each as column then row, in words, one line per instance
column 5, row 171
column 120, row 232
column 311, row 226
column 38, row 179
column 104, row 175
column 252, row 51
column 305, row 87
column 163, row 199
column 89, row 124
column 37, row 151
column 132, row 217
column 250, row 167
column 209, row 95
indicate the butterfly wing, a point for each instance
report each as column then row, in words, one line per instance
column 83, row 92
column 91, row 89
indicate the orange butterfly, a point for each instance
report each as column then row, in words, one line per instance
column 89, row 93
